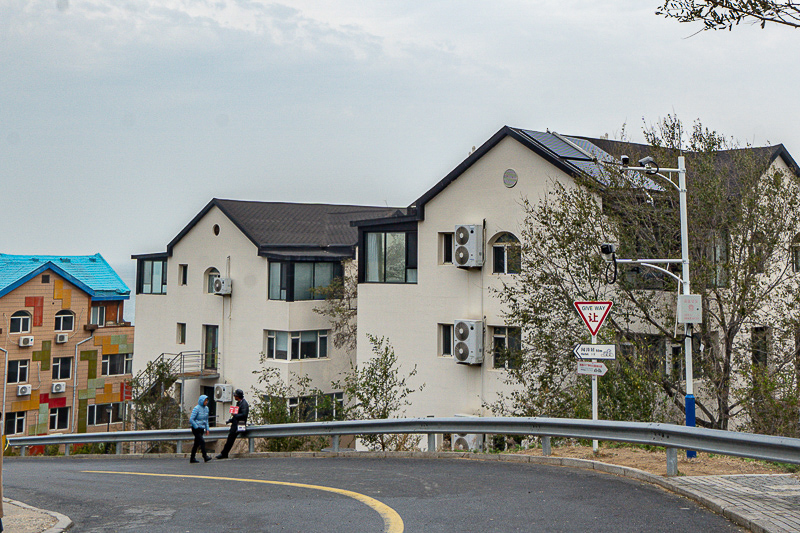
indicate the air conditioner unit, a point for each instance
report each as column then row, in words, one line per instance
column 223, row 392
column 23, row 390
column 468, row 246
column 468, row 335
column 466, row 442
column 26, row 341
column 222, row 286
column 59, row 387
column 61, row 338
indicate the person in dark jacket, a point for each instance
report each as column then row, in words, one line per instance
column 199, row 422
column 238, row 416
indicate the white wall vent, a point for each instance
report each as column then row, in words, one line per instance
column 468, row 347
column 61, row 338
column 223, row 392
column 26, row 341
column 23, row 390
column 222, row 286
column 59, row 387
column 468, row 245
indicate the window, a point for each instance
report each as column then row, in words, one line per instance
column 46, row 278
column 795, row 252
column 18, row 371
column 152, row 276
column 183, row 274
column 117, row 364
column 15, row 423
column 313, row 408
column 506, row 343
column 99, row 414
column 446, row 248
column 65, row 321
column 446, row 340
column 759, row 252
column 295, row 345
column 62, row 368
column 210, row 346
column 20, row 322
column 212, row 274
column 507, row 254
column 181, row 334
column 98, row 316
column 296, row 281
column 59, row 418
column 759, row 346
column 719, row 258
column 391, row 257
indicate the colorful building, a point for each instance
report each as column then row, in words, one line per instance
column 67, row 352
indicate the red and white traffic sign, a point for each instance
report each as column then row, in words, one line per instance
column 592, row 369
column 593, row 314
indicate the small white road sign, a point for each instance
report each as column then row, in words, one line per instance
column 595, row 351
column 593, row 314
column 592, row 369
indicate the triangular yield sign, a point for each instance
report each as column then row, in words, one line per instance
column 593, row 314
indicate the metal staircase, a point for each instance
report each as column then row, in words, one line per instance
column 181, row 366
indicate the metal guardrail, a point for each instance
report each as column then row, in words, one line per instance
column 672, row 437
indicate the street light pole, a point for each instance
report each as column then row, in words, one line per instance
column 650, row 168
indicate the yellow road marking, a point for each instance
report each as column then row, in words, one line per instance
column 392, row 523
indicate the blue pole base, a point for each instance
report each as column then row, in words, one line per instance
column 691, row 421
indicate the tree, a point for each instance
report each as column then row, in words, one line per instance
column 725, row 14
column 153, row 405
column 375, row 390
column 341, row 306
column 741, row 227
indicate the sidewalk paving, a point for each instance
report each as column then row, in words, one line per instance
column 761, row 503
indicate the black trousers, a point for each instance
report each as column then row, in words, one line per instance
column 199, row 442
column 232, row 433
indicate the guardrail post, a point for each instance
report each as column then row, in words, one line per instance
column 251, row 445
column 178, row 447
column 22, row 451
column 431, row 442
column 672, row 461
column 546, row 449
column 335, row 443
column 119, row 448
column 66, row 449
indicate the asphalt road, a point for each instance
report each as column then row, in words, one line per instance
column 345, row 494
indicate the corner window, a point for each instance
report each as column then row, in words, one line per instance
column 62, row 368
column 98, row 316
column 18, row 371
column 117, row 364
column 506, row 343
column 212, row 274
column 293, row 281
column 20, row 322
column 65, row 321
column 507, row 256
column 391, row 257
column 152, row 277
column 296, row 345
column 59, row 418
column 15, row 423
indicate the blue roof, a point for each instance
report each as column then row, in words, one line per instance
column 90, row 273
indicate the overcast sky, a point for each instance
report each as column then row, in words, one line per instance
column 120, row 120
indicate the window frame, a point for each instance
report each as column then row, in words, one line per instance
column 410, row 263
column 147, row 272
column 506, row 334
column 59, row 324
column 294, row 345
column 446, row 248
column 180, row 333
column 98, row 318
column 120, row 360
column 59, row 415
column 446, row 340
column 21, row 369
column 502, row 250
column 211, row 275
column 282, row 284
column 117, row 413
column 19, row 419
column 22, row 319
column 58, row 365
column 183, row 274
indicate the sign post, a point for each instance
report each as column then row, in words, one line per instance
column 593, row 315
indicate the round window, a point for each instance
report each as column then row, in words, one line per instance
column 216, row 229
column 510, row 178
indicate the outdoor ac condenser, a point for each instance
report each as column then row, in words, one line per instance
column 223, row 392
column 468, row 245
column 468, row 347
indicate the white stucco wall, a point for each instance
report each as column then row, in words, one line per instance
column 408, row 315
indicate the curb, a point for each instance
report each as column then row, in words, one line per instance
column 63, row 522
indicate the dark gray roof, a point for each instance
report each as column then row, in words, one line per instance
column 305, row 230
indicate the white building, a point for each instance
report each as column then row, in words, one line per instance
column 236, row 282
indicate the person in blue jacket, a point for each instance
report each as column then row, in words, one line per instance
column 199, row 422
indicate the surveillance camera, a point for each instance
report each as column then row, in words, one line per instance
column 646, row 161
column 625, row 160
column 607, row 248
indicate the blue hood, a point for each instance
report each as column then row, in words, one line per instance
column 201, row 399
